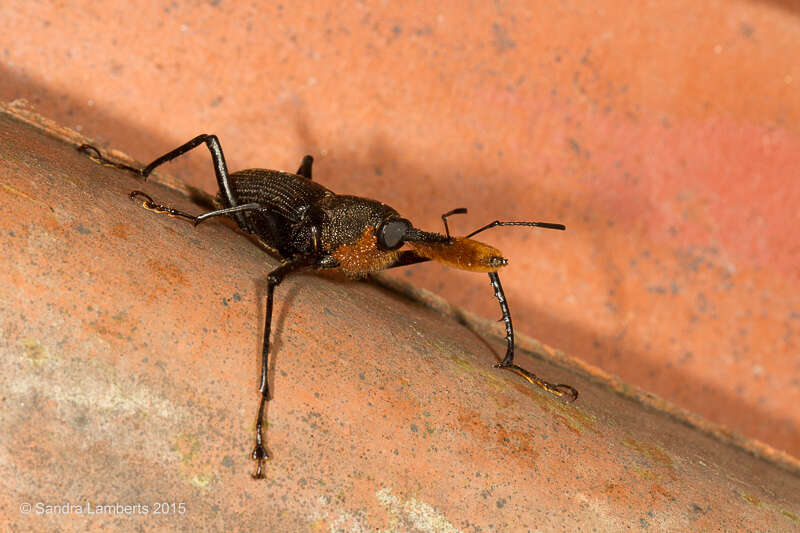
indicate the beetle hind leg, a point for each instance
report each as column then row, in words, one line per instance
column 95, row 155
column 151, row 205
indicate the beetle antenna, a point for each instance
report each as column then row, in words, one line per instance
column 456, row 211
column 496, row 223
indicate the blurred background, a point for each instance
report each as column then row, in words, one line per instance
column 666, row 136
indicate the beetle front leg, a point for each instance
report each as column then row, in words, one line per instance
column 561, row 390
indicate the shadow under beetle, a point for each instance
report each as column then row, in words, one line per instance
column 309, row 226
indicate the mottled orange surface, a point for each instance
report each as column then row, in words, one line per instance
column 129, row 358
column 664, row 135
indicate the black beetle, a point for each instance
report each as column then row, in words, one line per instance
column 309, row 226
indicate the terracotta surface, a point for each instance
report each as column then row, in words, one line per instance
column 130, row 346
column 664, row 135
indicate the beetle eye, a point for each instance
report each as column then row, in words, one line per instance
column 391, row 233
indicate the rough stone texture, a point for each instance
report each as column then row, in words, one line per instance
column 129, row 347
column 663, row 134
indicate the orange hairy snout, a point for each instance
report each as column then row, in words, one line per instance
column 463, row 254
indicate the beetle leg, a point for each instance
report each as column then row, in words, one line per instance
column 95, row 155
column 561, row 390
column 220, row 169
column 273, row 280
column 406, row 258
column 150, row 204
column 305, row 167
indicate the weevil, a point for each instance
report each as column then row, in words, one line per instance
column 308, row 226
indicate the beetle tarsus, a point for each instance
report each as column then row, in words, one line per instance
column 258, row 474
column 561, row 390
column 259, row 455
column 259, row 451
column 150, row 204
column 95, row 155
column 570, row 393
